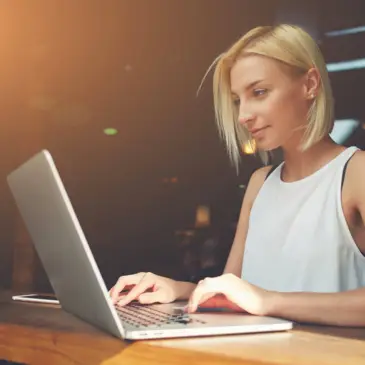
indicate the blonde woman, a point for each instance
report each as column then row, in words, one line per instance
column 299, row 248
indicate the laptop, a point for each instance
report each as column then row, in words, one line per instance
column 77, row 282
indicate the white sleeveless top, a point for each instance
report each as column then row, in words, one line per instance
column 298, row 238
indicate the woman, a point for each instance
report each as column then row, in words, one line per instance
column 299, row 247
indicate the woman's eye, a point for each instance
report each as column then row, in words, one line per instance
column 236, row 102
column 259, row 92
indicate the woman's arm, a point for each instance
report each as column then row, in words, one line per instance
column 235, row 258
column 340, row 309
column 355, row 186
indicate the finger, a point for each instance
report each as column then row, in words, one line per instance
column 126, row 289
column 194, row 297
column 201, row 290
column 111, row 290
column 123, row 291
column 201, row 299
column 113, row 294
column 123, row 282
column 149, row 298
column 140, row 288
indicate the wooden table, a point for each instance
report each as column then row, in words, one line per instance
column 45, row 334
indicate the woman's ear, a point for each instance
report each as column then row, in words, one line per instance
column 312, row 83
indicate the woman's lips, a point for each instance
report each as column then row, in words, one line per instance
column 257, row 131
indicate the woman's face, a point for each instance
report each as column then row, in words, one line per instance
column 273, row 103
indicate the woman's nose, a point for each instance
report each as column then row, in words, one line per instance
column 244, row 118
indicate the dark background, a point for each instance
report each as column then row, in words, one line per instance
column 70, row 68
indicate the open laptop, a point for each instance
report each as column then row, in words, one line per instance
column 74, row 275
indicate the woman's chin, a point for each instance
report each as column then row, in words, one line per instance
column 267, row 146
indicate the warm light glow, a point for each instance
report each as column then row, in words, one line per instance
column 249, row 148
column 202, row 218
column 172, row 180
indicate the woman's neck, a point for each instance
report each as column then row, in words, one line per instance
column 300, row 164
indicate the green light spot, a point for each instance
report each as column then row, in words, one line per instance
column 110, row 131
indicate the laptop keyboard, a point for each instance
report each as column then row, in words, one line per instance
column 144, row 316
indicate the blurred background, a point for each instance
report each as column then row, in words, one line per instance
column 109, row 88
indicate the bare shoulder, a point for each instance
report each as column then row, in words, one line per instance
column 355, row 176
column 256, row 181
column 359, row 158
column 261, row 173
column 356, row 167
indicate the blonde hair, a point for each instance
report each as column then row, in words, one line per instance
column 295, row 48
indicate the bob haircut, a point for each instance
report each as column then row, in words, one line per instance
column 291, row 46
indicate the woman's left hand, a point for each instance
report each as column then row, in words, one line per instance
column 231, row 292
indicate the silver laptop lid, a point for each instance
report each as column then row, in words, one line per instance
column 61, row 244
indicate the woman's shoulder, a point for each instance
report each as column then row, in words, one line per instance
column 355, row 178
column 261, row 173
column 356, row 166
column 257, row 181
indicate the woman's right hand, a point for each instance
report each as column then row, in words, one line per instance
column 147, row 288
